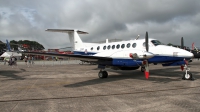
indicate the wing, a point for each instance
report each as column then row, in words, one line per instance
column 94, row 59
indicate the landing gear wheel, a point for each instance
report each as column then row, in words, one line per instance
column 100, row 75
column 187, row 76
column 103, row 74
column 142, row 68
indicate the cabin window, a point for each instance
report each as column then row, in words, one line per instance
column 108, row 47
column 134, row 45
column 122, row 46
column 156, row 42
column 113, row 46
column 91, row 48
column 118, row 46
column 104, row 47
column 98, row 48
column 128, row 45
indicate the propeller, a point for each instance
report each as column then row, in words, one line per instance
column 147, row 42
column 182, row 47
column 145, row 62
column 182, row 43
column 194, row 48
column 137, row 37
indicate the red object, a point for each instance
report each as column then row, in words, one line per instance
column 144, row 62
column 186, row 62
column 63, row 52
column 182, row 68
column 146, row 75
column 193, row 46
column 25, row 45
column 131, row 55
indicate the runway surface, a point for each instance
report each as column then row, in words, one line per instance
column 62, row 86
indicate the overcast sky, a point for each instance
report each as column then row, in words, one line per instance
column 165, row 20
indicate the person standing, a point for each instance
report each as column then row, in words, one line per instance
column 25, row 60
column 4, row 60
column 29, row 61
column 32, row 60
column 13, row 61
column 10, row 61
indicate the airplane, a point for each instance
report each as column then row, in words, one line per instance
column 10, row 52
column 124, row 55
column 194, row 50
column 8, row 48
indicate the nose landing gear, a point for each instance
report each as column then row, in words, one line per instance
column 187, row 75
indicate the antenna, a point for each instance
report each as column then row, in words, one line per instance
column 137, row 37
column 106, row 40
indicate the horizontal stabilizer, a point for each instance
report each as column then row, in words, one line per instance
column 66, row 31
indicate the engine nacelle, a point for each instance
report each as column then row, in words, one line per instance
column 141, row 55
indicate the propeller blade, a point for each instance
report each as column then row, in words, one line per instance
column 145, row 62
column 147, row 42
column 182, row 68
column 182, row 43
column 146, row 65
column 186, row 62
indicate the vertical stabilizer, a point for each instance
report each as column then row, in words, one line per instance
column 8, row 45
column 106, row 40
column 74, row 38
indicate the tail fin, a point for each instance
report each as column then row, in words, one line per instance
column 8, row 45
column 75, row 40
column 193, row 46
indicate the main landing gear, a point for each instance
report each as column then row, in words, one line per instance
column 103, row 74
column 187, row 75
column 142, row 68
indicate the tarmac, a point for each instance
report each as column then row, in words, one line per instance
column 67, row 86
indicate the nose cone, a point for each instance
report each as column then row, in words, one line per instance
column 190, row 55
column 186, row 54
column 148, row 55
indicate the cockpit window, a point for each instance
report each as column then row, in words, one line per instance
column 156, row 42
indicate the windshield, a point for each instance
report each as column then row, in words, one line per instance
column 156, row 42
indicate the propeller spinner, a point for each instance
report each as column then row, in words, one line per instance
column 182, row 43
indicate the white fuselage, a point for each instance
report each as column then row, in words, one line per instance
column 122, row 49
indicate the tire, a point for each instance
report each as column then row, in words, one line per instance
column 100, row 74
column 105, row 74
column 187, row 76
column 142, row 69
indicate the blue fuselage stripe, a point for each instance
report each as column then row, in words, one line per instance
column 131, row 62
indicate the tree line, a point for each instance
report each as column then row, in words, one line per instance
column 23, row 44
